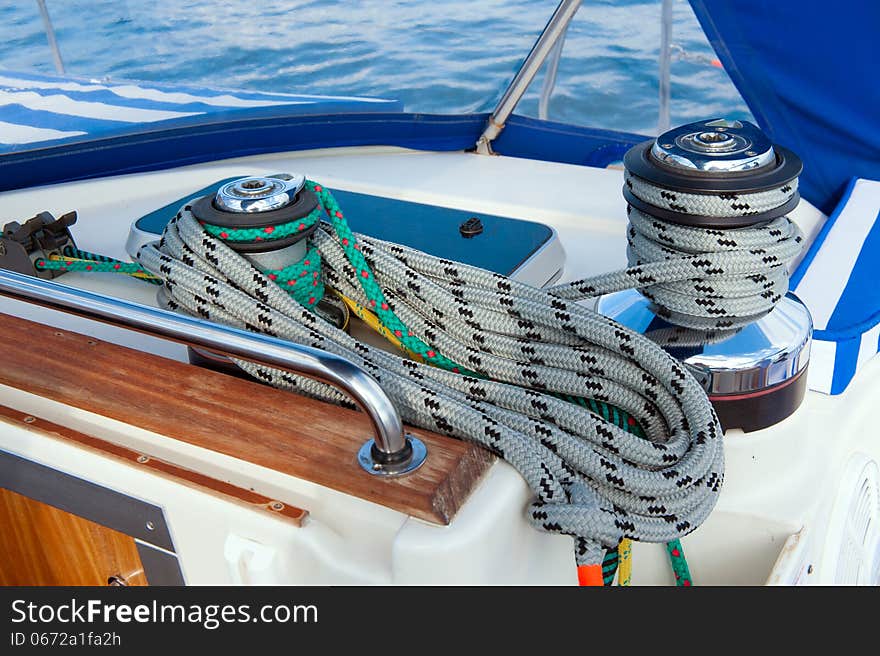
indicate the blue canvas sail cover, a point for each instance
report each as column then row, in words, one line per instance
column 808, row 70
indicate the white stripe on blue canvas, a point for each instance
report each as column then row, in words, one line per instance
column 69, row 107
column 64, row 105
column 12, row 133
column 868, row 346
column 828, row 273
column 820, row 375
column 141, row 92
column 838, row 283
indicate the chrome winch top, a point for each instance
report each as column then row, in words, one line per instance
column 717, row 157
column 717, row 145
column 259, row 193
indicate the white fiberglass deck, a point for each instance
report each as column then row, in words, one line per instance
column 778, row 481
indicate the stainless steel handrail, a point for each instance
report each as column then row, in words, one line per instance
column 396, row 452
column 50, row 36
column 550, row 43
column 550, row 77
column 556, row 28
column 664, row 64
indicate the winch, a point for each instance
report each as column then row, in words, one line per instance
column 256, row 208
column 711, row 198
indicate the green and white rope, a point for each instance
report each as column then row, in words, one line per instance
column 78, row 260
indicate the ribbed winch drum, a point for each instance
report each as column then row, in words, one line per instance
column 721, row 181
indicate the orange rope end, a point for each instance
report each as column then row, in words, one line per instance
column 590, row 575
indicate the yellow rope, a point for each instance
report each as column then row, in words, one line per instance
column 373, row 322
column 138, row 274
column 624, row 567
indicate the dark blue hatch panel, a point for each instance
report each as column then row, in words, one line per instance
column 502, row 246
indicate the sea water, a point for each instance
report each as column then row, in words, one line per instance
column 437, row 57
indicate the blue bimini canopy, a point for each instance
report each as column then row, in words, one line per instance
column 808, row 70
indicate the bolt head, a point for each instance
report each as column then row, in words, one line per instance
column 713, row 138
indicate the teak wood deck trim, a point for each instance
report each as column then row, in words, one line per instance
column 272, row 428
column 136, row 458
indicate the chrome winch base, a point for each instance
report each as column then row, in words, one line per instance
column 755, row 376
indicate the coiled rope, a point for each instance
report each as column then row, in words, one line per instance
column 503, row 353
column 703, row 278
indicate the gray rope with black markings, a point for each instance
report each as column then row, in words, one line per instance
column 703, row 278
column 592, row 480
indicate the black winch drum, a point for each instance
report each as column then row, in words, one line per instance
column 757, row 375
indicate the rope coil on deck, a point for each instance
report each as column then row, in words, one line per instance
column 503, row 353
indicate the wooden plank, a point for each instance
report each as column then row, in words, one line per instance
column 167, row 470
column 272, row 428
column 42, row 545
